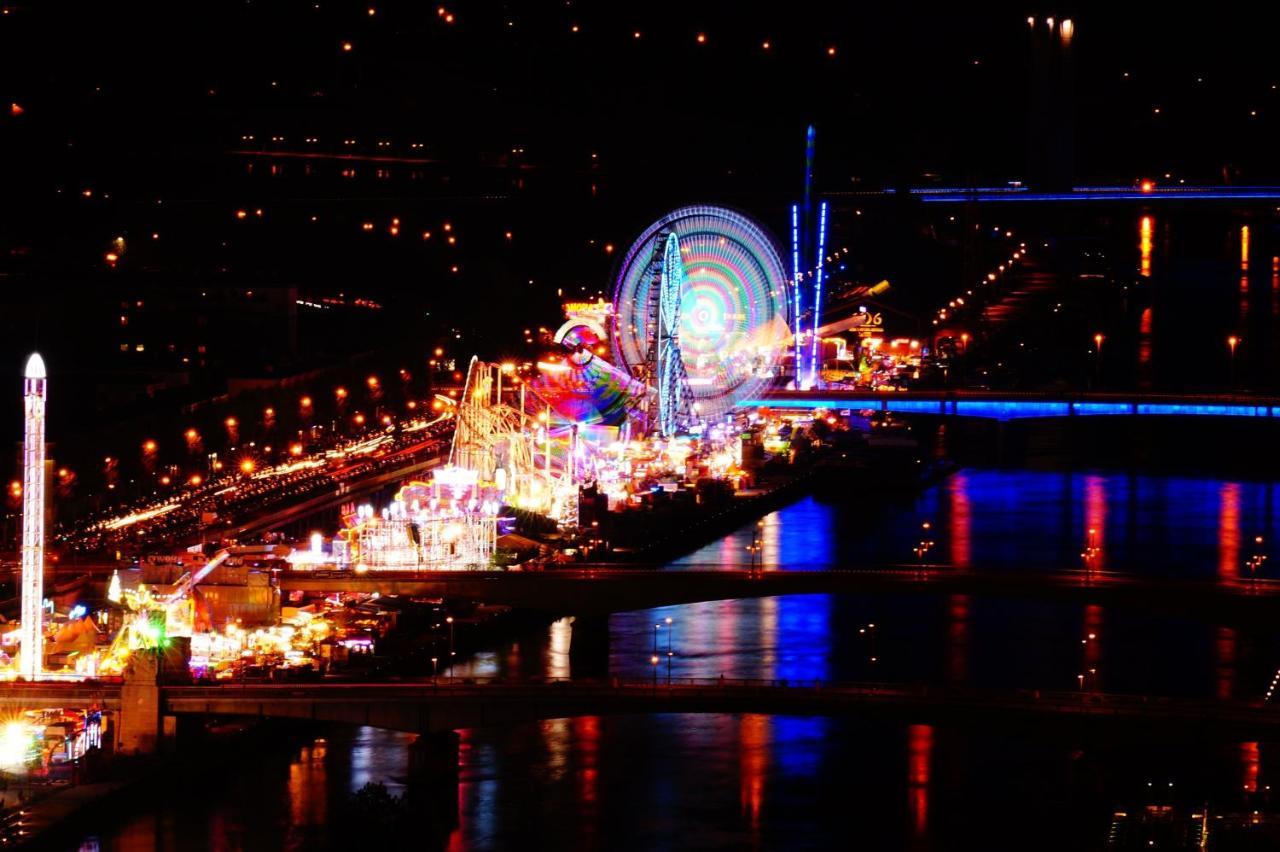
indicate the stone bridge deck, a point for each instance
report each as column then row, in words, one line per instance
column 448, row 705
column 597, row 589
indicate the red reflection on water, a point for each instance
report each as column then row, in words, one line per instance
column 1249, row 762
column 753, row 763
column 958, row 494
column 957, row 639
column 919, row 752
column 1229, row 531
column 1275, row 286
column 466, row 791
column 1095, row 519
column 586, row 731
column 1224, row 670
column 1144, row 348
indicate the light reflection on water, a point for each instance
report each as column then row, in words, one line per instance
column 754, row 781
column 1008, row 520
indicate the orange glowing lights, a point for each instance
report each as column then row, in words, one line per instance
column 1146, row 227
column 305, row 402
column 831, row 51
column 340, row 393
column 149, row 446
column 295, row 449
column 372, row 381
column 359, row 419
column 247, row 466
column 702, row 38
column 231, row 422
column 346, row 47
column 1148, row 186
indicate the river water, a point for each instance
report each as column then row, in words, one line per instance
column 751, row 781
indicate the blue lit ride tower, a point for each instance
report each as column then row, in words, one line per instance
column 808, row 239
column 795, row 284
column 819, row 260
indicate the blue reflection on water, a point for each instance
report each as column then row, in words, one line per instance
column 1021, row 520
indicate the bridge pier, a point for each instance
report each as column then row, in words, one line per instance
column 138, row 727
column 589, row 646
column 433, row 778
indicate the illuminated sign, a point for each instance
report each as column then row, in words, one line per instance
column 581, row 310
column 865, row 323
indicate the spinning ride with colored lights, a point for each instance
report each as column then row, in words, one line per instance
column 700, row 307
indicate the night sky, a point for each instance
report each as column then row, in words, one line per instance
column 325, row 146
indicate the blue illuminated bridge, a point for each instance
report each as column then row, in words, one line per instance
column 1015, row 406
column 1247, row 195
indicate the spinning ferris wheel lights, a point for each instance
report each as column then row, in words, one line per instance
column 728, row 320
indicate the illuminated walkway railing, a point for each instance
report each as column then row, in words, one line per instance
column 1013, row 406
column 1022, row 194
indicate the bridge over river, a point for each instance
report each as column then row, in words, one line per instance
column 609, row 587
column 429, row 707
column 1014, row 405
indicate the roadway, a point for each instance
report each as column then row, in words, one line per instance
column 331, row 499
column 605, row 588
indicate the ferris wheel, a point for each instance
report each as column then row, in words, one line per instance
column 700, row 308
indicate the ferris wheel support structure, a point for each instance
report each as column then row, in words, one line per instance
column 663, row 366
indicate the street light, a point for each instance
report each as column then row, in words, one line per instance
column 670, row 653
column 452, row 653
column 1097, row 343
column 1232, row 341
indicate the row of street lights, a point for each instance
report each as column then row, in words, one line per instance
column 655, row 659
